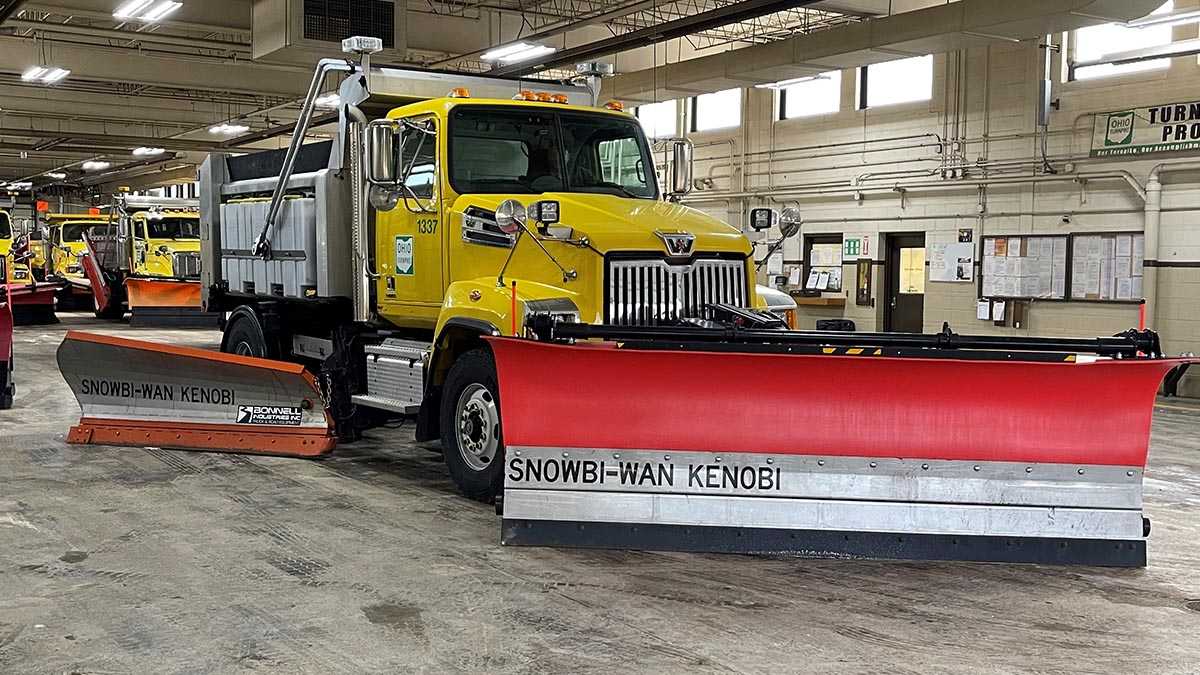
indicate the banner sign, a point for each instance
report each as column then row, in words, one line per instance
column 1162, row 128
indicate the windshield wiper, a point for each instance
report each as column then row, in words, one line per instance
column 621, row 189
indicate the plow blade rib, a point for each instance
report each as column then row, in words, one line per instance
column 826, row 455
column 140, row 393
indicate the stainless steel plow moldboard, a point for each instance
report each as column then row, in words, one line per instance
column 139, row 393
column 908, row 458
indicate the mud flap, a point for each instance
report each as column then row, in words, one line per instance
column 138, row 393
column 826, row 455
column 34, row 303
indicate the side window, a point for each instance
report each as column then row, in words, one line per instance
column 621, row 162
column 420, row 152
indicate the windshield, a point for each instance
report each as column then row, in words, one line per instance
column 74, row 231
column 5, row 226
column 173, row 228
column 530, row 151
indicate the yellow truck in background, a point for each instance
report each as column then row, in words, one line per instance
column 32, row 300
column 64, row 241
column 161, row 237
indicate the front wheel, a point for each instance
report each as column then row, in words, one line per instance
column 470, row 423
column 245, row 336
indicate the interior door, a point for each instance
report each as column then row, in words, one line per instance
column 905, row 269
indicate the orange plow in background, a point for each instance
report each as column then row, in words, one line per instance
column 830, row 445
column 139, row 393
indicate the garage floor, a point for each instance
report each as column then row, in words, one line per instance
column 127, row 560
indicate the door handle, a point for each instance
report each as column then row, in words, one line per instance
column 893, row 303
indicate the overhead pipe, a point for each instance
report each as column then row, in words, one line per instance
column 782, row 191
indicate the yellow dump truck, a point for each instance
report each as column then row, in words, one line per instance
column 64, row 239
column 148, row 263
column 448, row 208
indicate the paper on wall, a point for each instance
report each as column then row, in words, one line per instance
column 1136, row 288
column 998, row 310
column 1015, row 249
column 794, row 277
column 983, row 310
column 1092, row 277
column 1122, row 266
column 813, row 277
column 1125, row 288
column 1047, row 247
column 989, row 248
column 1124, row 245
column 1139, row 246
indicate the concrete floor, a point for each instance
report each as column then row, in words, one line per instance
column 146, row 560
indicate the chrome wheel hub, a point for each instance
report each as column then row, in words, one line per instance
column 478, row 426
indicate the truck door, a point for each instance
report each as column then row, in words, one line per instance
column 409, row 242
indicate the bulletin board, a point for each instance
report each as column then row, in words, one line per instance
column 824, row 267
column 1107, row 267
column 1025, row 267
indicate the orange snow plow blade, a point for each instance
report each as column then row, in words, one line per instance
column 725, row 443
column 138, row 393
column 165, row 302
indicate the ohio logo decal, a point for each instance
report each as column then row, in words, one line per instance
column 1120, row 129
column 404, row 255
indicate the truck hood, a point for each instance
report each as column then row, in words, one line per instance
column 5, row 246
column 615, row 223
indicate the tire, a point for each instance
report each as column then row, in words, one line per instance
column 7, row 389
column 244, row 335
column 474, row 454
column 113, row 312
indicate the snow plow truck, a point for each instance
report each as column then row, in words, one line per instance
column 498, row 260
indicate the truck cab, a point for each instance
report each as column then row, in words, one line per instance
column 65, row 232
column 166, row 243
column 605, row 250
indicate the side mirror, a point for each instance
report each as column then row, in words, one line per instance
column 790, row 221
column 681, row 167
column 381, row 162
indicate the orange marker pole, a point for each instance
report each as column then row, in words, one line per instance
column 1142, row 316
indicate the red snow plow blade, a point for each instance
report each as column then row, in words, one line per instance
column 877, row 451
column 138, row 393
column 34, row 302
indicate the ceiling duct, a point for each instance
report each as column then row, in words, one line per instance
column 938, row 29
column 299, row 29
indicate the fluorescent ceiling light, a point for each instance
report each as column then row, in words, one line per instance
column 24, row 185
column 129, row 9
column 795, row 80
column 227, row 128
column 44, row 74
column 519, row 51
column 147, row 152
column 56, row 175
column 331, row 100
column 160, row 10
column 95, row 165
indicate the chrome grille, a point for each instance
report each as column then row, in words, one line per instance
column 186, row 265
column 649, row 292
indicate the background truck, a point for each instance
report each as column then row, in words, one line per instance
column 148, row 262
column 447, row 208
column 32, row 300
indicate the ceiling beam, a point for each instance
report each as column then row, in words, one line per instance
column 642, row 37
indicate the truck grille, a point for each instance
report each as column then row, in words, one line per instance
column 186, row 265
column 649, row 292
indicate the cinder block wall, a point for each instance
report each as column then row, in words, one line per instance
column 999, row 90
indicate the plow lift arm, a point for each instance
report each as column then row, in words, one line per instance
column 729, row 439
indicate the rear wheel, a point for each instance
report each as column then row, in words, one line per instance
column 7, row 388
column 244, row 335
column 470, row 424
